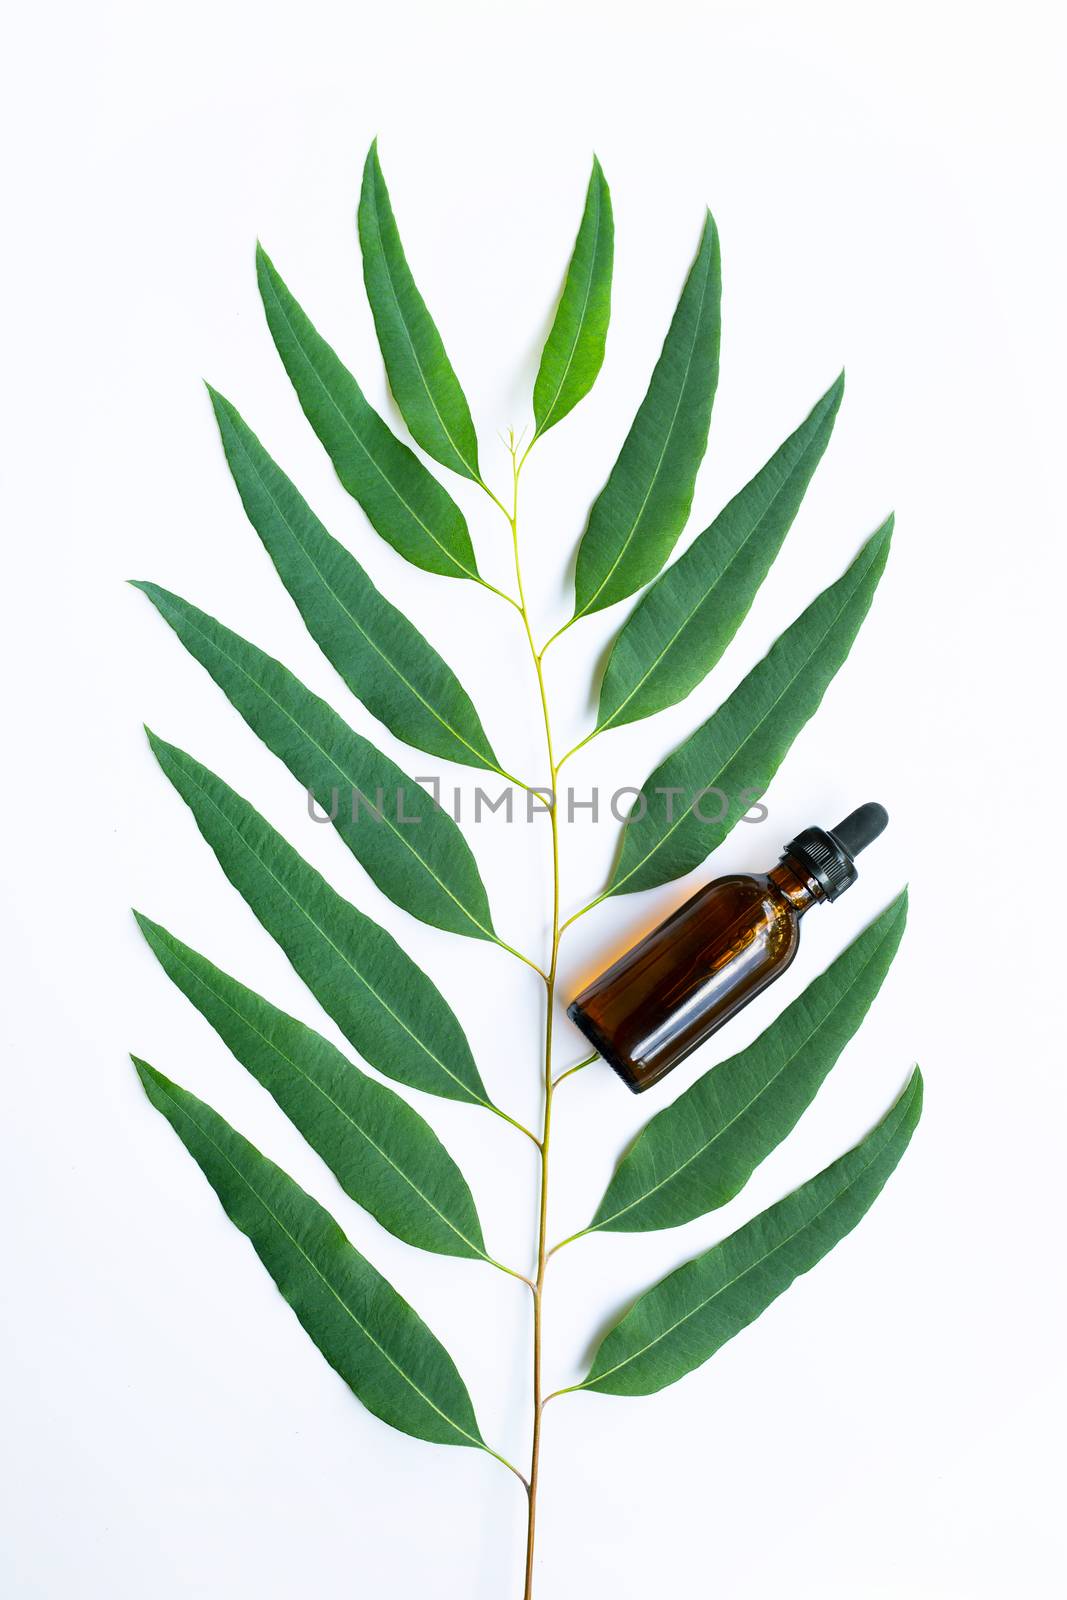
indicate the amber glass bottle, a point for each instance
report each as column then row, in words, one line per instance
column 716, row 953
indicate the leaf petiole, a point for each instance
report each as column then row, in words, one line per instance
column 501, row 593
column 572, row 1388
column 505, row 1118
column 570, row 1239
column 500, row 507
column 526, row 961
column 511, row 1273
column 571, row 920
column 572, row 1070
column 579, row 746
column 557, row 635
column 504, row 1462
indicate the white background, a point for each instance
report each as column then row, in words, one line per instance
column 888, row 186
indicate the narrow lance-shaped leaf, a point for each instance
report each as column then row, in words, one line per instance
column 696, row 796
column 574, row 350
column 369, row 1335
column 643, row 507
column 383, row 1003
column 403, row 501
column 420, row 374
column 685, row 1318
column 382, row 657
column 382, row 1153
column 698, row 1153
column 680, row 628
column 408, row 844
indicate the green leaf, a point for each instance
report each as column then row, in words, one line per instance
column 404, row 502
column 409, row 845
column 680, row 1323
column 574, row 350
column 420, row 374
column 643, row 507
column 698, row 1153
column 382, row 1153
column 680, row 628
column 382, row 1002
column 740, row 748
column 369, row 1335
column 382, row 657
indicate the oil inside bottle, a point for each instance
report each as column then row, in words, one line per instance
column 719, row 950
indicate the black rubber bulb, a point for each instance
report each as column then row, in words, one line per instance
column 861, row 827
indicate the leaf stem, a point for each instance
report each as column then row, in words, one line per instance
column 521, row 1127
column 492, row 586
column 500, row 506
column 504, row 1462
column 509, row 777
column 541, row 973
column 570, row 1239
column 557, row 635
column 573, row 751
column 576, row 1068
column 571, row 920
column 511, row 1272
column 572, row 1388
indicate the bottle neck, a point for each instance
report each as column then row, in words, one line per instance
column 796, row 884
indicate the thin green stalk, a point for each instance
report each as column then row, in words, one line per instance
column 576, row 1068
column 510, row 948
column 557, row 635
column 504, row 1462
column 494, row 590
column 509, row 777
column 569, row 1240
column 573, row 919
column 497, row 502
column 538, row 1283
column 505, row 1118
column 579, row 746
column 511, row 1272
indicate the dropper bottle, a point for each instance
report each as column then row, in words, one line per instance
column 694, row 972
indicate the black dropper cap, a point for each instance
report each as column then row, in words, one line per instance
column 829, row 853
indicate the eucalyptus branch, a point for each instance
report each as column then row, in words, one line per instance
column 384, row 1154
column 538, row 1283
